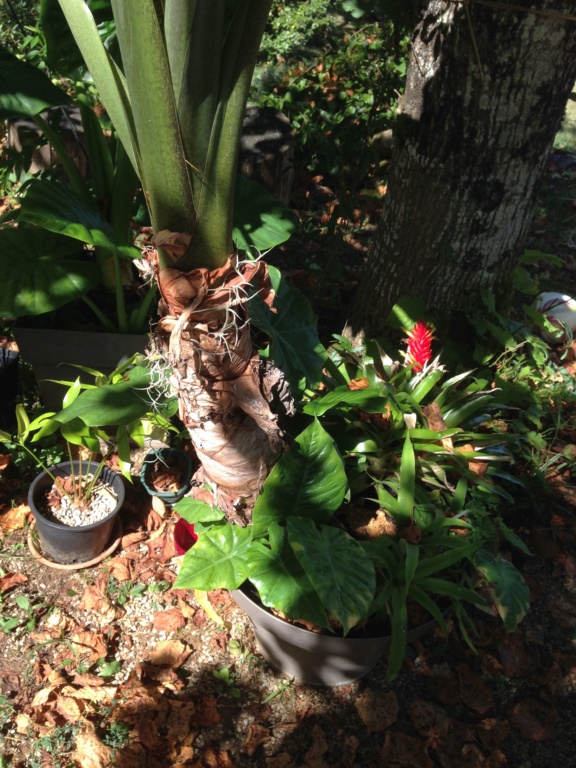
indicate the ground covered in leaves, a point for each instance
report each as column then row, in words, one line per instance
column 109, row 666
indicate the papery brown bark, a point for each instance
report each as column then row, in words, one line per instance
column 204, row 336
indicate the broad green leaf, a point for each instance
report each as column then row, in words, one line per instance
column 120, row 403
column 260, row 220
column 342, row 573
column 195, row 511
column 24, row 90
column 218, row 560
column 309, row 480
column 294, row 344
column 472, row 408
column 281, row 580
column 38, row 274
column 369, row 400
column 58, row 208
column 507, row 588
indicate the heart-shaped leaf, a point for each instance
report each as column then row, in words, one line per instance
column 342, row 573
column 507, row 588
column 281, row 581
column 309, row 480
column 260, row 220
column 24, row 90
column 218, row 560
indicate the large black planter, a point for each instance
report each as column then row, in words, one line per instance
column 8, row 386
column 53, row 355
column 70, row 544
column 313, row 658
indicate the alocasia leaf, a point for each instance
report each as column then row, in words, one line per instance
column 218, row 560
column 281, row 581
column 342, row 573
column 309, row 481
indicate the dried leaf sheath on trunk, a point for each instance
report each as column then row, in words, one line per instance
column 204, row 336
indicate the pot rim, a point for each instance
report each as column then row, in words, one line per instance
column 114, row 480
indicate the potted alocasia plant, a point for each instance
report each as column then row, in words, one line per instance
column 385, row 500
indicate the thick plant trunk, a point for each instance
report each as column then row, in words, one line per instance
column 486, row 90
column 221, row 384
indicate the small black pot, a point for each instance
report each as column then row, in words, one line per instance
column 313, row 658
column 170, row 457
column 73, row 544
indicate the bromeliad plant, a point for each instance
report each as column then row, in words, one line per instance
column 386, row 499
column 177, row 102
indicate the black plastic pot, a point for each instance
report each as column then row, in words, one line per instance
column 73, row 544
column 313, row 658
column 8, row 386
column 169, row 457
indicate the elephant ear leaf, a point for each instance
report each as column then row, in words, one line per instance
column 24, row 90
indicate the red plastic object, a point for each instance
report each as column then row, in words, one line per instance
column 184, row 536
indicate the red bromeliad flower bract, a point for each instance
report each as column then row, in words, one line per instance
column 419, row 346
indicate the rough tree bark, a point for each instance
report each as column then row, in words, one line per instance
column 486, row 90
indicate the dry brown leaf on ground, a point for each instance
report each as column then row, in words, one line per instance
column 314, row 758
column 169, row 621
column 170, row 653
column 120, row 568
column 378, row 711
column 533, row 719
column 213, row 757
column 11, row 580
column 85, row 641
column 14, row 518
column 91, row 752
column 474, row 691
column 404, row 751
column 70, row 708
column 257, row 735
column 161, row 544
column 131, row 539
column 430, row 720
column 515, row 659
column 207, row 712
column 5, row 461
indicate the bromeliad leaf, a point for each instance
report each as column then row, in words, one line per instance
column 294, row 344
column 369, row 400
column 507, row 588
column 218, row 560
column 281, row 580
column 342, row 573
column 309, row 480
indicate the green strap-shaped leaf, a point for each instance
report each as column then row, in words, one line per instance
column 38, row 274
column 370, row 400
column 399, row 634
column 407, row 483
column 340, row 570
column 309, row 480
column 508, row 589
column 218, row 560
column 437, row 563
column 281, row 581
column 109, row 80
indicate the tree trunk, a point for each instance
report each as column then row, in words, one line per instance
column 224, row 389
column 486, row 91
